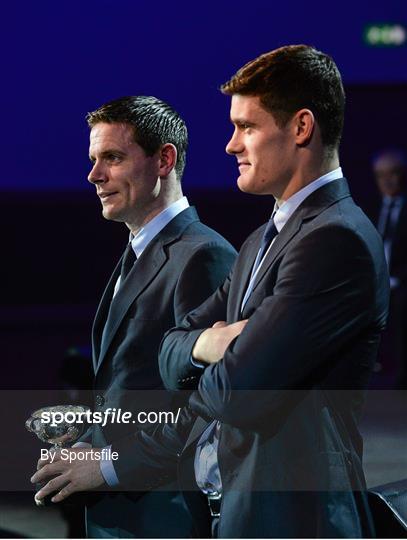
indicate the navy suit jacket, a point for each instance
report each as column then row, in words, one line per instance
column 178, row 269
column 289, row 390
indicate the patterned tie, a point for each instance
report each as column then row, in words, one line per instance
column 269, row 234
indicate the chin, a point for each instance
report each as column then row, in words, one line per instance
column 106, row 213
column 247, row 186
column 244, row 185
column 110, row 214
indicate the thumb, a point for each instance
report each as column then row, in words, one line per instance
column 219, row 324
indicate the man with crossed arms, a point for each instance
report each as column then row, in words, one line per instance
column 284, row 349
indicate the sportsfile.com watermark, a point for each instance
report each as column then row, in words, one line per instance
column 110, row 416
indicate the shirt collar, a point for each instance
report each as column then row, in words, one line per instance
column 157, row 224
column 285, row 211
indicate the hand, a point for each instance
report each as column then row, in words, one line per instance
column 70, row 474
column 211, row 345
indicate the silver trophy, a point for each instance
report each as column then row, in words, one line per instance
column 59, row 425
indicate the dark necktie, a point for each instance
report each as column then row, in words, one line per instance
column 129, row 258
column 269, row 234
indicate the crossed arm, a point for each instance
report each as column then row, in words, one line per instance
column 329, row 298
column 291, row 336
column 152, row 449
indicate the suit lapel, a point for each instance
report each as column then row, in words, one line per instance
column 102, row 313
column 110, row 313
column 197, row 429
column 289, row 230
column 312, row 206
column 140, row 276
column 242, row 274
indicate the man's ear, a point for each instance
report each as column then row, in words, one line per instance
column 168, row 159
column 304, row 124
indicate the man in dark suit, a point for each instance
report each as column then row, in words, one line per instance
column 282, row 352
column 172, row 263
column 390, row 217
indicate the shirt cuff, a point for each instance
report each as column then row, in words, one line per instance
column 107, row 469
column 197, row 363
column 82, row 445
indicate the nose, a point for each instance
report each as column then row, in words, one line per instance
column 96, row 175
column 235, row 145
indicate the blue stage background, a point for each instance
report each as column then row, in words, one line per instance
column 62, row 59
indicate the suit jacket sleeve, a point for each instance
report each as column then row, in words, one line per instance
column 321, row 301
column 197, row 282
column 149, row 458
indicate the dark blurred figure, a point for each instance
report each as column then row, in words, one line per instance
column 76, row 375
column 390, row 217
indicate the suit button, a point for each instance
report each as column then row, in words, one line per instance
column 99, row 400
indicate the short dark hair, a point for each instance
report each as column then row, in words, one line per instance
column 292, row 78
column 154, row 123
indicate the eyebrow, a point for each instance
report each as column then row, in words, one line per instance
column 241, row 121
column 108, row 152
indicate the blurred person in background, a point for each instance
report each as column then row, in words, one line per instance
column 390, row 217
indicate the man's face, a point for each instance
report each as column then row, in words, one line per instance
column 126, row 179
column 388, row 171
column 265, row 152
